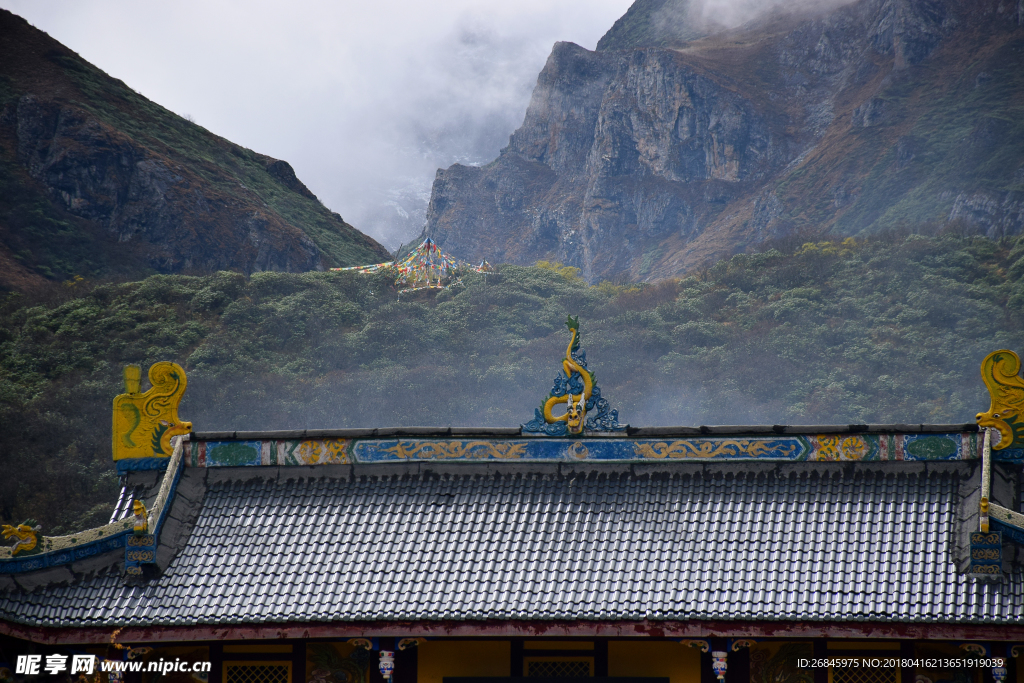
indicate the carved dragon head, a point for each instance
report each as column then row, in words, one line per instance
column 575, row 414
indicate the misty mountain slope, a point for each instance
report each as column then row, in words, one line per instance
column 97, row 180
column 645, row 162
column 654, row 23
column 885, row 330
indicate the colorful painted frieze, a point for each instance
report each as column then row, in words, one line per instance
column 884, row 447
column 269, row 452
column 803, row 448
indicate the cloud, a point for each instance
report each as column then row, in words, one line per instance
column 715, row 15
column 365, row 100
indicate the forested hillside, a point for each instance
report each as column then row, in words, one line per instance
column 887, row 330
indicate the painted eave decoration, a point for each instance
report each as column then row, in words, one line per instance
column 346, row 447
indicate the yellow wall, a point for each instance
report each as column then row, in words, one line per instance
column 680, row 663
column 439, row 658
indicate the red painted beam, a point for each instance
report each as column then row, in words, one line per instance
column 436, row 629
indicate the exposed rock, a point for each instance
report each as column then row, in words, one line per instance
column 647, row 161
column 608, row 154
column 996, row 215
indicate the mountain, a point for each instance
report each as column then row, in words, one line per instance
column 96, row 180
column 678, row 142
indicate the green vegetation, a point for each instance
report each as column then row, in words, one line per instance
column 888, row 330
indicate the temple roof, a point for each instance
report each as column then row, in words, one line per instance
column 656, row 541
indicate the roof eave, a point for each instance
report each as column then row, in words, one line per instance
column 524, row 628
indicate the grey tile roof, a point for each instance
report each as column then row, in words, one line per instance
column 837, row 543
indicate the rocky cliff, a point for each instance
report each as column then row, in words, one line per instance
column 96, row 180
column 642, row 162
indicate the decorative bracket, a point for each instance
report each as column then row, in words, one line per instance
column 703, row 645
column 364, row 643
column 979, row 649
column 406, row 643
column 737, row 645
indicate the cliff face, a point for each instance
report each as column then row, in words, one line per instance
column 99, row 181
column 643, row 162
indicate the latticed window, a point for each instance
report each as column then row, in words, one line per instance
column 864, row 674
column 558, row 668
column 257, row 672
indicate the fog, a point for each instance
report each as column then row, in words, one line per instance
column 732, row 13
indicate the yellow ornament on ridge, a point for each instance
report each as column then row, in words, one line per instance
column 140, row 519
column 145, row 422
column 1006, row 390
column 26, row 536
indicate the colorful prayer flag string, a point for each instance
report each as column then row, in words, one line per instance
column 426, row 267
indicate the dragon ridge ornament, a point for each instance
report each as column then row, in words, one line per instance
column 576, row 389
column 144, row 422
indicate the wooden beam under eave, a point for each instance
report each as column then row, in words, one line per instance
column 517, row 629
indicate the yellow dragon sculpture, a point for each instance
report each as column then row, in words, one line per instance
column 1000, row 371
column 145, row 422
column 576, row 404
column 26, row 535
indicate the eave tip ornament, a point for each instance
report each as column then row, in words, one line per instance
column 25, row 535
column 145, row 422
column 999, row 372
column 576, row 392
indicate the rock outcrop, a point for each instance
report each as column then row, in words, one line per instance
column 100, row 181
column 643, row 162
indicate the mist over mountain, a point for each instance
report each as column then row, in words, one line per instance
column 458, row 104
column 697, row 130
column 98, row 181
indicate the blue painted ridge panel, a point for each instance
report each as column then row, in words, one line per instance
column 569, row 450
column 127, row 465
column 1009, row 455
column 1008, row 530
column 819, row 447
column 54, row 558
